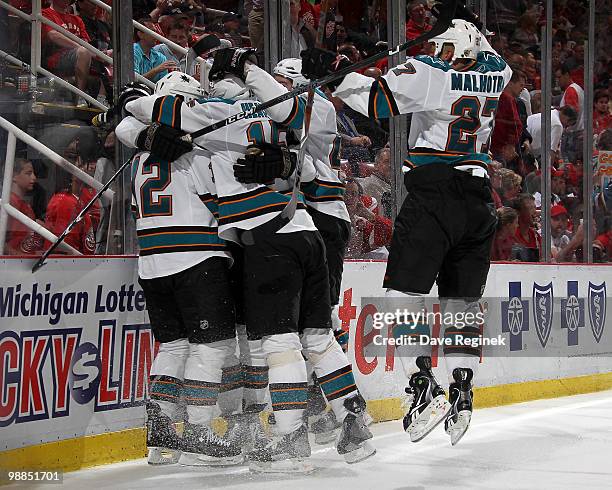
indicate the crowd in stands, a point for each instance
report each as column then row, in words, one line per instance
column 358, row 29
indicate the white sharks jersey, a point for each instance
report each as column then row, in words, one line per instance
column 453, row 111
column 175, row 221
column 324, row 192
column 240, row 206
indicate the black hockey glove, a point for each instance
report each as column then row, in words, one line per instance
column 163, row 141
column 231, row 60
column 317, row 63
column 263, row 163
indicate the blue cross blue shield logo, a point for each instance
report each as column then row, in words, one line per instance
column 572, row 313
column 515, row 316
column 543, row 311
column 597, row 309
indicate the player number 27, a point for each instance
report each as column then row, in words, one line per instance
column 462, row 131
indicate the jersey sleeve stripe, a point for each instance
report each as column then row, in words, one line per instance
column 212, row 203
column 167, row 110
column 382, row 103
column 322, row 191
column 296, row 117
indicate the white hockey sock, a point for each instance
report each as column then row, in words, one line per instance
column 332, row 367
column 288, row 382
column 410, row 307
column 203, row 379
column 167, row 372
column 465, row 325
column 255, row 372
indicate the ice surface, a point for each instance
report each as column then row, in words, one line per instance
column 546, row 444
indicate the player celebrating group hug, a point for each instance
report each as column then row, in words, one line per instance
column 228, row 269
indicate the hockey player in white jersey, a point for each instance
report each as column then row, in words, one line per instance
column 444, row 230
column 323, row 193
column 285, row 278
column 183, row 268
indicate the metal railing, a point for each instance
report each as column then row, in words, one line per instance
column 6, row 210
column 36, row 18
column 159, row 37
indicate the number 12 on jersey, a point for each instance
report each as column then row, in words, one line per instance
column 149, row 202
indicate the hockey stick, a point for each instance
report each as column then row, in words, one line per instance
column 442, row 24
column 289, row 210
column 79, row 217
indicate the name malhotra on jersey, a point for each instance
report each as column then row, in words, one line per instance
column 468, row 82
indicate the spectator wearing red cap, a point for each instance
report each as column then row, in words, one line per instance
column 528, row 244
column 558, row 228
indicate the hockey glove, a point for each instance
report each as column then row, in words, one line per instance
column 163, row 141
column 317, row 63
column 263, row 163
column 231, row 60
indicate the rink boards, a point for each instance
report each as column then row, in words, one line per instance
column 76, row 348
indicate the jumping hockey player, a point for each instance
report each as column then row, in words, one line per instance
column 285, row 277
column 183, row 269
column 444, row 230
column 323, row 194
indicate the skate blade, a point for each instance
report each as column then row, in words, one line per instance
column 427, row 421
column 197, row 459
column 365, row 451
column 161, row 456
column 288, row 466
column 458, row 429
column 322, row 438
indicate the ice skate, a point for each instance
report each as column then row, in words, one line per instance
column 352, row 442
column 202, row 447
column 325, row 427
column 245, row 429
column 163, row 443
column 429, row 404
column 460, row 396
column 282, row 454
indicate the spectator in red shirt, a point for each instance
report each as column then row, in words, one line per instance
column 416, row 25
column 371, row 231
column 508, row 125
column 72, row 195
column 602, row 119
column 63, row 207
column 573, row 95
column 507, row 224
column 494, row 168
column 528, row 243
column 20, row 240
column 603, row 242
column 66, row 57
